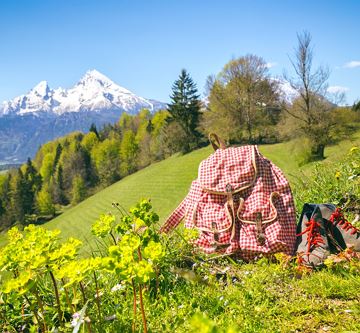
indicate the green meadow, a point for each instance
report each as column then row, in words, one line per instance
column 168, row 181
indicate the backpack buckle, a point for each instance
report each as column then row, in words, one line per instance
column 216, row 234
column 260, row 236
column 228, row 188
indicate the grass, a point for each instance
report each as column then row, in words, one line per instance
column 267, row 298
column 257, row 297
column 167, row 182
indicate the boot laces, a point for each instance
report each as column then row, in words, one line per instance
column 338, row 218
column 314, row 238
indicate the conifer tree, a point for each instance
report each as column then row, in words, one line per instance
column 17, row 196
column 185, row 108
column 32, row 184
column 57, row 187
column 94, row 130
column 57, row 156
column 2, row 209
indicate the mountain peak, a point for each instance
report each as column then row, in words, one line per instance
column 94, row 92
column 42, row 89
column 95, row 76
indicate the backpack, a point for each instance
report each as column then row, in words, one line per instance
column 240, row 203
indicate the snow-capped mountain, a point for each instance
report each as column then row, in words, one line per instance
column 287, row 92
column 94, row 92
column 28, row 121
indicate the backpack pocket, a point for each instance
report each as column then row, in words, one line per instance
column 215, row 223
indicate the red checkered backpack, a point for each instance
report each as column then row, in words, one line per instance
column 240, row 203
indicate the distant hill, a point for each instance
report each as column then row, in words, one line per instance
column 43, row 114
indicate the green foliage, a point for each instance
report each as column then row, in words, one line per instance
column 17, row 190
column 128, row 152
column 138, row 248
column 89, row 141
column 335, row 183
column 301, row 150
column 47, row 287
column 47, row 166
column 184, row 109
column 103, row 226
column 44, row 201
column 243, row 102
column 78, row 190
column 30, row 255
column 314, row 114
column 99, row 158
column 106, row 160
column 94, row 130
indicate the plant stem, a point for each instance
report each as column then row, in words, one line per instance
column 142, row 309
column 3, row 318
column 82, row 291
column 141, row 297
column 97, row 296
column 22, row 310
column 88, row 324
column 74, row 297
column 41, row 305
column 113, row 238
column 67, row 296
column 134, row 304
column 157, row 280
column 57, row 298
column 35, row 314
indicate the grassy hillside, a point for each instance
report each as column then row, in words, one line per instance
column 258, row 297
column 167, row 182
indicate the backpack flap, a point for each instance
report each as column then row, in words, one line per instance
column 234, row 166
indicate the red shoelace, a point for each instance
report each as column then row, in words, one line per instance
column 313, row 234
column 338, row 218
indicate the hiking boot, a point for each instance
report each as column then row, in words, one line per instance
column 342, row 233
column 312, row 244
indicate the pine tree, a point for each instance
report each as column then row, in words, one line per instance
column 56, row 187
column 2, row 209
column 57, row 156
column 32, row 184
column 94, row 130
column 185, row 108
column 17, row 197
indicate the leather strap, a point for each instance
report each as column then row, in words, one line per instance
column 260, row 236
column 216, row 141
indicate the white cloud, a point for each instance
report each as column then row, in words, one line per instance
column 337, row 89
column 271, row 64
column 352, row 64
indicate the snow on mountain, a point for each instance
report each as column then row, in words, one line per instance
column 94, row 92
column 288, row 93
column 43, row 114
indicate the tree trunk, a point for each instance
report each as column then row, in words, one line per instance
column 318, row 151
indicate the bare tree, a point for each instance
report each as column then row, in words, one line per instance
column 312, row 108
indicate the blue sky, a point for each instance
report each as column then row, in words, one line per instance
column 143, row 45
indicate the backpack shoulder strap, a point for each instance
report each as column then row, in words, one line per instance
column 216, row 141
